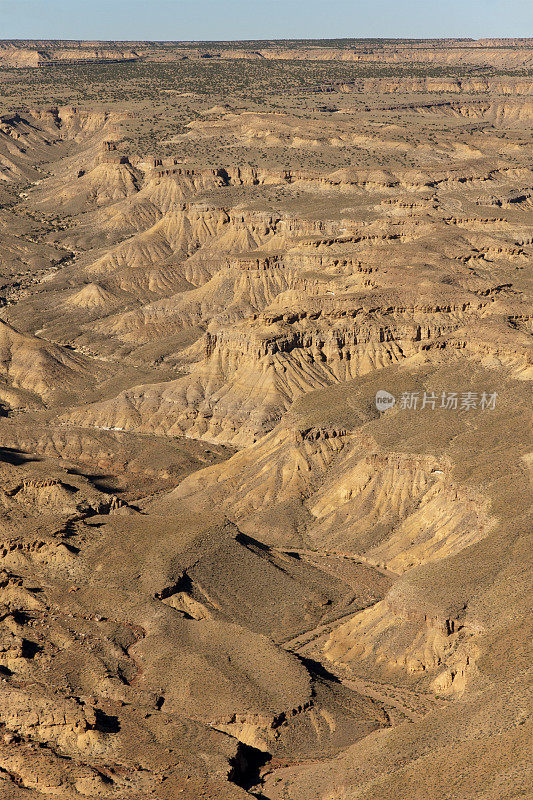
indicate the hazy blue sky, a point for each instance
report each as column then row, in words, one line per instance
column 262, row 19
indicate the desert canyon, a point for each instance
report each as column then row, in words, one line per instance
column 225, row 572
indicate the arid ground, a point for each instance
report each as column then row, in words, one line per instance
column 225, row 570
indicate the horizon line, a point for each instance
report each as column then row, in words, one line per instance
column 281, row 39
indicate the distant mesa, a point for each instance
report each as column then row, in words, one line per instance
column 30, row 54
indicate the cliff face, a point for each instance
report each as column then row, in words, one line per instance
column 20, row 56
column 457, row 52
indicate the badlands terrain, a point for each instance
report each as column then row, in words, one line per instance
column 224, row 571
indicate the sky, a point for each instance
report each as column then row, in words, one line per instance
column 208, row 20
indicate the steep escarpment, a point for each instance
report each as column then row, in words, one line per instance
column 243, row 378
column 22, row 55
